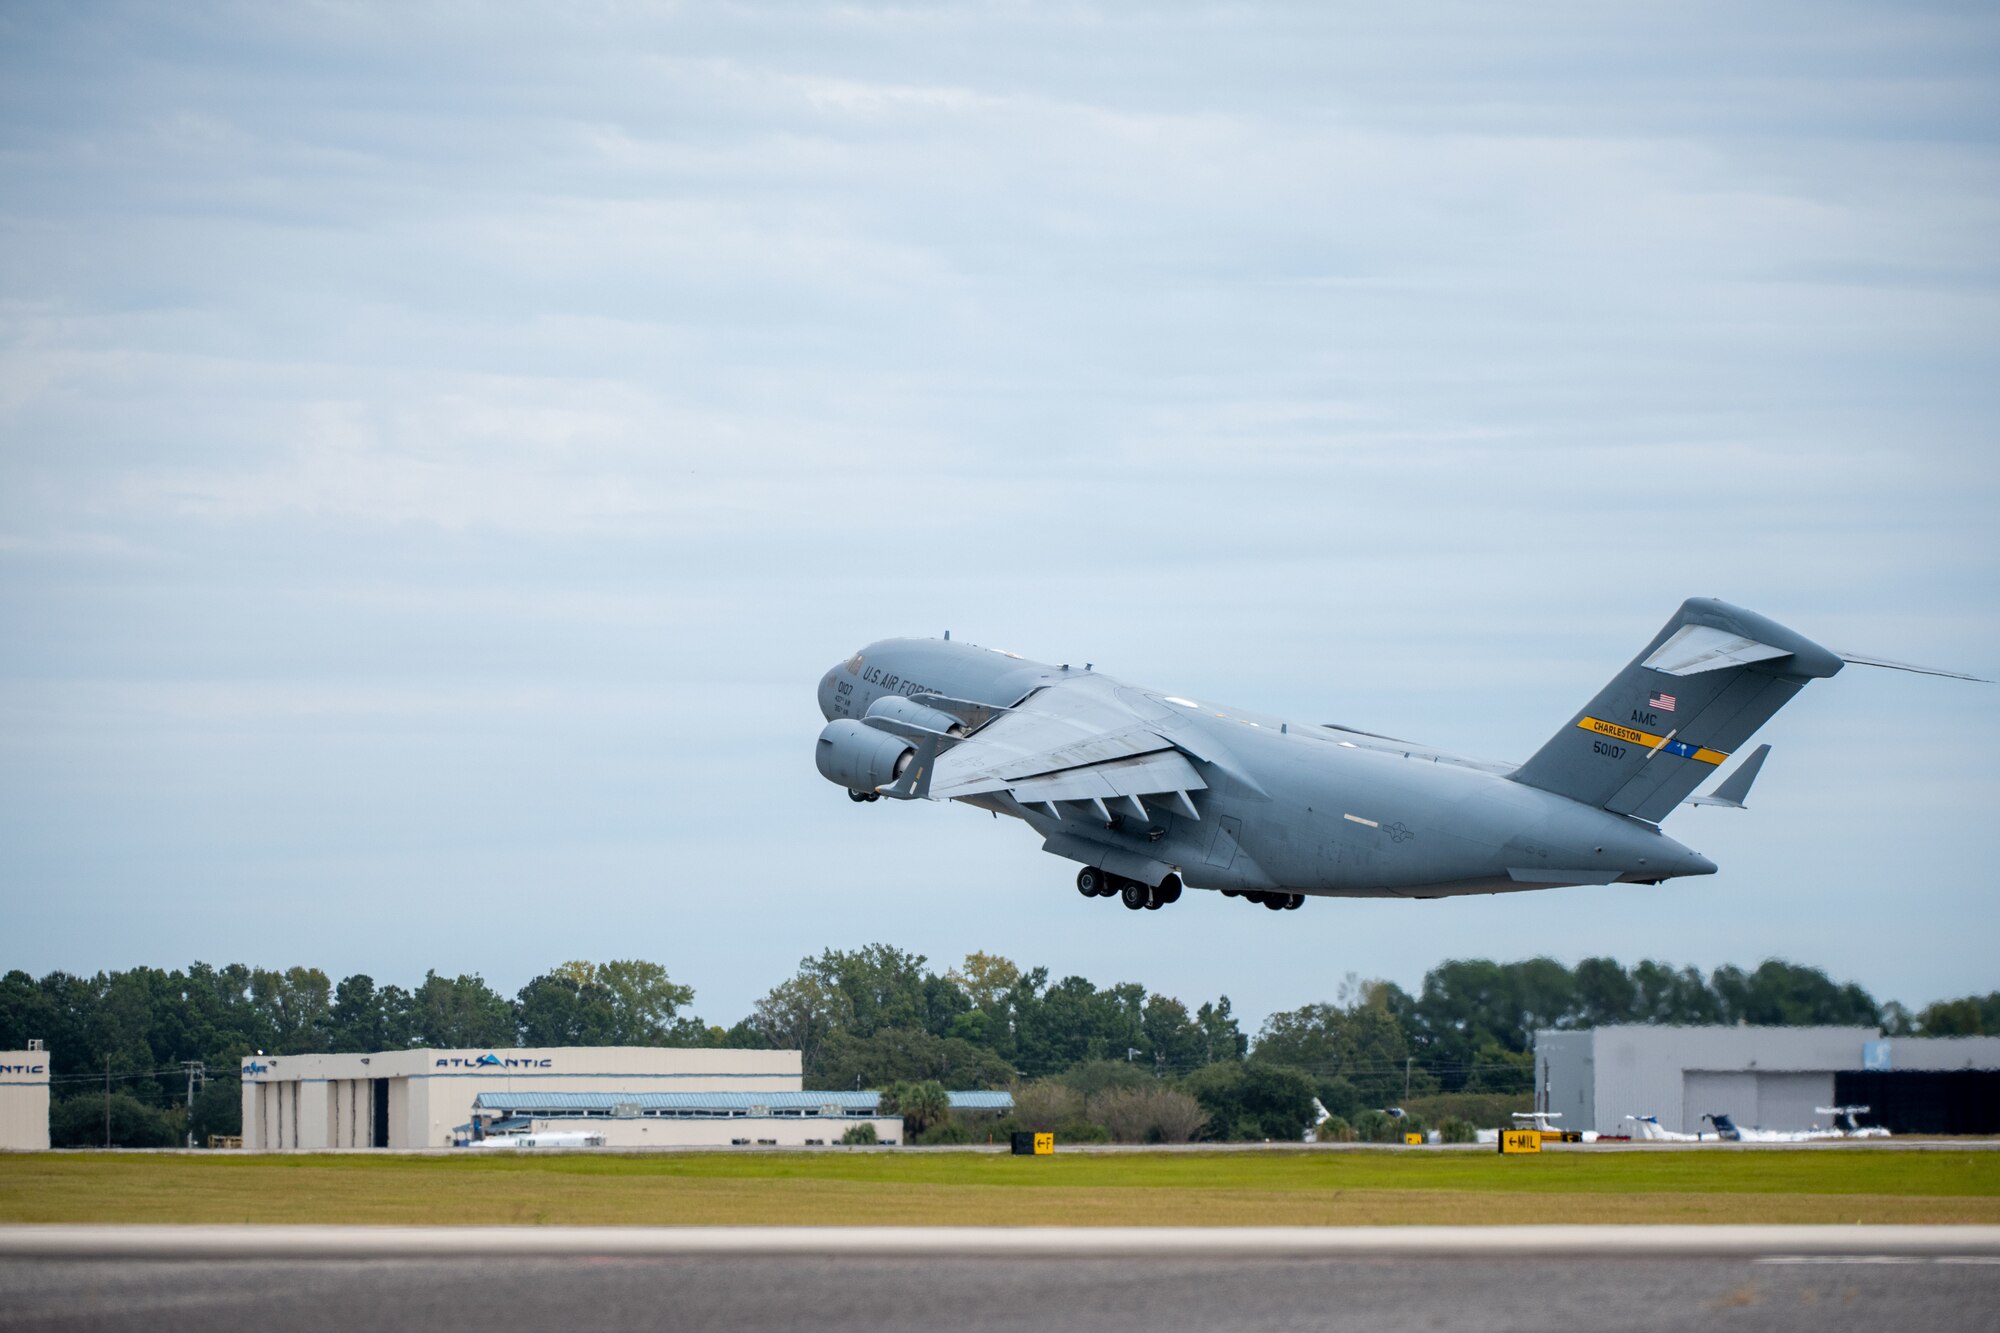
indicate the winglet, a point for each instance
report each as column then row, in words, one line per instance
column 915, row 782
column 1736, row 786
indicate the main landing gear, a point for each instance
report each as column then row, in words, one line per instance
column 1094, row 883
column 1277, row 902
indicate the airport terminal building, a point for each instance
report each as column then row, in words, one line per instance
column 1769, row 1077
column 426, row 1098
column 682, row 1119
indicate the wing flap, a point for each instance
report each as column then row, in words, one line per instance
column 1145, row 775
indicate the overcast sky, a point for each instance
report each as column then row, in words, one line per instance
column 440, row 448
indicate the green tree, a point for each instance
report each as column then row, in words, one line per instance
column 297, row 1005
column 1781, row 993
column 800, row 1015
column 921, row 1105
column 903, row 1055
column 1604, row 993
column 77, row 1121
column 986, row 980
column 883, row 986
column 369, row 1018
column 1073, row 1020
column 218, row 1109
column 460, row 1012
column 1362, row 1044
column 646, row 1005
column 1090, row 1077
column 1253, row 1100
column 1970, row 1016
column 1221, row 1037
column 555, row 1009
column 26, row 1013
column 1678, row 996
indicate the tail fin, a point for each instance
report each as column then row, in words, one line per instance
column 1707, row 681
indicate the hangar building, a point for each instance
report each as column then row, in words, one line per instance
column 419, row 1099
column 677, row 1119
column 1770, row 1077
column 24, row 1098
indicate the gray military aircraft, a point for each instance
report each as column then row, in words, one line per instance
column 1153, row 792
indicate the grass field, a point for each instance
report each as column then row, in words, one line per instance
column 859, row 1189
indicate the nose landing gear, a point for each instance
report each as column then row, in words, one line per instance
column 859, row 797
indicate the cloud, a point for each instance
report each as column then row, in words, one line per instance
column 467, row 379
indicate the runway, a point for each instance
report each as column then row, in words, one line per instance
column 975, row 1279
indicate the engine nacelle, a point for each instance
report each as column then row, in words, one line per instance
column 859, row 757
column 896, row 708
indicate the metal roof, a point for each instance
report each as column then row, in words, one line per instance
column 850, row 1103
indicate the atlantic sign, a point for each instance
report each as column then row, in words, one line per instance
column 492, row 1061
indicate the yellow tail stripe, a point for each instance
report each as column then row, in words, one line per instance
column 1633, row 736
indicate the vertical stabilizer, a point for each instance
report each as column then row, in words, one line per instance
column 1711, row 676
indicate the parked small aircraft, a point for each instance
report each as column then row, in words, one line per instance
column 560, row 1138
column 1155, row 792
column 1647, row 1128
column 1850, row 1128
column 1727, row 1130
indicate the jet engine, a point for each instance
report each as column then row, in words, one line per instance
column 859, row 757
column 894, row 708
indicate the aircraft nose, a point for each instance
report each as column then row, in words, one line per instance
column 826, row 694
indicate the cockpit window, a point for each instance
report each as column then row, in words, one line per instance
column 854, row 665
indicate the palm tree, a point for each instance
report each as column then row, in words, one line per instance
column 921, row 1104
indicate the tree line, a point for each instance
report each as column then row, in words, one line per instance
column 1078, row 1055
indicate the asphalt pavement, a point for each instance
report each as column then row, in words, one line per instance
column 872, row 1281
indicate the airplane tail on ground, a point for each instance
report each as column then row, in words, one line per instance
column 1701, row 688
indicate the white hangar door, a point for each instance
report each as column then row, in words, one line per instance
column 1786, row 1101
column 1754, row 1100
column 1716, row 1092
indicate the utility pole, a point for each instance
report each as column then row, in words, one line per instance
column 107, row 1101
column 195, row 1071
column 1408, row 1060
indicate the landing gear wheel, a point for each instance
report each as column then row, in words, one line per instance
column 1276, row 901
column 859, row 797
column 1135, row 895
column 1090, row 882
column 1292, row 902
column 1169, row 890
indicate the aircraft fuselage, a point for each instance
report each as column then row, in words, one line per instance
column 1288, row 808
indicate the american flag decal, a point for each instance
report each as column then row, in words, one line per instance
column 1663, row 702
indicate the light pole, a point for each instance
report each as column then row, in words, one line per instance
column 196, row 1071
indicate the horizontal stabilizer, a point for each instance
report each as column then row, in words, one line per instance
column 1696, row 648
column 1859, row 659
column 1734, row 788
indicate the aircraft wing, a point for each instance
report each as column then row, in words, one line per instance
column 1074, row 742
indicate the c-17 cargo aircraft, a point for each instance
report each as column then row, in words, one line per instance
column 1154, row 792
